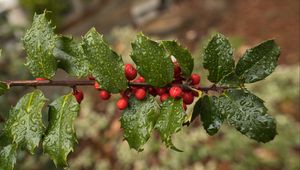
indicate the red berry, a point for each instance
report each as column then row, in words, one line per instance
column 40, row 79
column 161, row 91
column 188, row 98
column 164, row 97
column 78, row 95
column 140, row 94
column 104, row 94
column 140, row 79
column 175, row 92
column 130, row 72
column 152, row 91
column 122, row 103
column 177, row 70
column 97, row 85
column 195, row 79
column 184, row 106
column 91, row 78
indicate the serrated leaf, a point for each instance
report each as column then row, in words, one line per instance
column 4, row 87
column 170, row 121
column 247, row 113
column 60, row 137
column 8, row 158
column 24, row 125
column 258, row 62
column 218, row 58
column 138, row 121
column 105, row 65
column 153, row 62
column 182, row 55
column 211, row 117
column 39, row 42
column 71, row 57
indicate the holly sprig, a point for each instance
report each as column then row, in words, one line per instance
column 154, row 100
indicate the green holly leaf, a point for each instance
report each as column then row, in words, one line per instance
column 71, row 58
column 24, row 125
column 211, row 117
column 4, row 87
column 231, row 80
column 105, row 65
column 172, row 116
column 218, row 58
column 138, row 121
column 247, row 113
column 8, row 158
column 39, row 42
column 182, row 55
column 258, row 62
column 153, row 62
column 60, row 137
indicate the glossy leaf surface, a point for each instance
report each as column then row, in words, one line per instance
column 172, row 116
column 258, row 62
column 60, row 137
column 218, row 58
column 8, row 158
column 211, row 117
column 25, row 126
column 104, row 64
column 39, row 42
column 247, row 113
column 138, row 120
column 153, row 62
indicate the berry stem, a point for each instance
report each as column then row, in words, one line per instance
column 72, row 83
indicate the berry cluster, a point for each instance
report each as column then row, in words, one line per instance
column 173, row 90
column 139, row 91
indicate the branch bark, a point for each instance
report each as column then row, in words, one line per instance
column 73, row 83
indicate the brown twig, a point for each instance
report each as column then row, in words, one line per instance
column 73, row 83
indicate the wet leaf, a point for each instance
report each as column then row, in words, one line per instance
column 71, row 58
column 3, row 88
column 25, row 126
column 153, row 62
column 258, row 62
column 218, row 58
column 138, row 121
column 211, row 117
column 60, row 137
column 105, row 65
column 8, row 158
column 39, row 42
column 247, row 113
column 231, row 80
column 182, row 55
column 172, row 116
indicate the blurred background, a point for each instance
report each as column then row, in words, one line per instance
column 192, row 23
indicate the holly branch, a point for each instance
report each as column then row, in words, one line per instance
column 73, row 83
